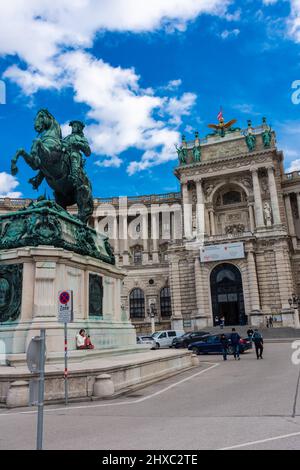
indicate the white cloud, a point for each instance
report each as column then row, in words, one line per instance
column 36, row 30
column 172, row 85
column 180, row 107
column 7, row 184
column 246, row 109
column 227, row 34
column 294, row 166
column 51, row 37
column 112, row 162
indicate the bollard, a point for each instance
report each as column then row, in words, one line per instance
column 195, row 360
column 104, row 386
column 18, row 394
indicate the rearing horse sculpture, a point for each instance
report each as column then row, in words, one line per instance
column 60, row 162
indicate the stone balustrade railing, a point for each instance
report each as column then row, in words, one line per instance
column 292, row 176
column 227, row 237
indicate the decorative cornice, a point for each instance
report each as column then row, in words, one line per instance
column 229, row 162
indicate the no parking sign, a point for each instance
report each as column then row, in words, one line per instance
column 65, row 306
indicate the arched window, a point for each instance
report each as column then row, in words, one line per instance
column 165, row 302
column 137, row 303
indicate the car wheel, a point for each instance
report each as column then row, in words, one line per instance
column 230, row 350
column 157, row 345
column 195, row 351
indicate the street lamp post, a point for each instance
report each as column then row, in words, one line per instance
column 294, row 302
column 152, row 312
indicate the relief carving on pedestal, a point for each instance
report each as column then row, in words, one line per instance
column 11, row 279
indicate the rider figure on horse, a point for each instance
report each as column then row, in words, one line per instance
column 74, row 144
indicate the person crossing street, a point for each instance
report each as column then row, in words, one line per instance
column 235, row 343
column 258, row 343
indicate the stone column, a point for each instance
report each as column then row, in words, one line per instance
column 253, row 284
column 284, row 274
column 251, row 216
column 177, row 322
column 298, row 204
column 212, row 222
column 145, row 238
column 201, row 318
column 259, row 216
column 155, row 235
column 187, row 211
column 123, row 228
column 116, row 234
column 274, row 196
column 288, row 208
column 200, row 210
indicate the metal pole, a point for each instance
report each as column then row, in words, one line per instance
column 40, row 424
column 66, row 364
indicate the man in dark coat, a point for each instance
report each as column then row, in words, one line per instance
column 258, row 343
column 235, row 343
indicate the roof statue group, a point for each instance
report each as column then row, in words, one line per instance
column 222, row 129
column 60, row 162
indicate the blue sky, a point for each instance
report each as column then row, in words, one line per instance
column 141, row 74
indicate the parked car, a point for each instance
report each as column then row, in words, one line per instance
column 188, row 338
column 146, row 339
column 212, row 344
column 165, row 338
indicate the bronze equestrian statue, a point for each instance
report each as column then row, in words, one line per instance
column 60, row 162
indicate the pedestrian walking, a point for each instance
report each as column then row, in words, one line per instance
column 222, row 322
column 250, row 333
column 235, row 343
column 225, row 344
column 216, row 320
column 258, row 343
column 271, row 322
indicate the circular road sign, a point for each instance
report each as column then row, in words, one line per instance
column 64, row 298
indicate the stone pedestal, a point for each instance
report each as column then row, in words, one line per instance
column 44, row 272
column 44, row 250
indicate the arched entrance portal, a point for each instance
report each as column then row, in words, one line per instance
column 227, row 295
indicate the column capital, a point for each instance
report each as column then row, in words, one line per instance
column 254, row 169
column 270, row 167
column 199, row 181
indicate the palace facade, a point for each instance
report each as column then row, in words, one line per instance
column 227, row 244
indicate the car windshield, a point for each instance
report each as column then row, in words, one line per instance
column 156, row 334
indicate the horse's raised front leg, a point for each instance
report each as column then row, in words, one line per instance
column 32, row 160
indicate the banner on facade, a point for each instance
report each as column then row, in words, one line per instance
column 224, row 252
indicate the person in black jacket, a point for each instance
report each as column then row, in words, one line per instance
column 235, row 343
column 224, row 342
column 258, row 343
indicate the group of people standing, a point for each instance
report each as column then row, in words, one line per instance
column 234, row 341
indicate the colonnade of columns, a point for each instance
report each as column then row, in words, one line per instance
column 205, row 212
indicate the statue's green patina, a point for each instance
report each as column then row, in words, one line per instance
column 45, row 223
column 60, row 162
column 250, row 137
column 267, row 134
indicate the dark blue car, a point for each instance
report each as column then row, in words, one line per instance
column 212, row 345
